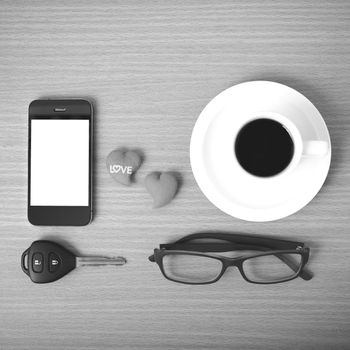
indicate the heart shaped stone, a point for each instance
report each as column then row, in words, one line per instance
column 122, row 164
column 162, row 187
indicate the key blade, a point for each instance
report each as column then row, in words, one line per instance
column 99, row 261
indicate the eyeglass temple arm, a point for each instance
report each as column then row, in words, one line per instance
column 243, row 239
column 235, row 238
column 200, row 247
column 304, row 274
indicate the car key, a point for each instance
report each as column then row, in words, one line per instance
column 46, row 261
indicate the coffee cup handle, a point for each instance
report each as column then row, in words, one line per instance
column 315, row 148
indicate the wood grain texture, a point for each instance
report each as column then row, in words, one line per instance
column 150, row 68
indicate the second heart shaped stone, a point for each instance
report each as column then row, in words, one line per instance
column 122, row 165
column 162, row 187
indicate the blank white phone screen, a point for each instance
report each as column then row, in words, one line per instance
column 59, row 162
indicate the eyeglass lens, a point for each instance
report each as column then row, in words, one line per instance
column 272, row 268
column 191, row 268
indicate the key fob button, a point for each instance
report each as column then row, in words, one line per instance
column 37, row 262
column 54, row 262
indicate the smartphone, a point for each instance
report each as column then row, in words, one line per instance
column 60, row 149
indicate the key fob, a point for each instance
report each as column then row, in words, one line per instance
column 46, row 261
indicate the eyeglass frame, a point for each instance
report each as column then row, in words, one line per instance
column 234, row 242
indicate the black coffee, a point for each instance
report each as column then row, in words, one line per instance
column 264, row 147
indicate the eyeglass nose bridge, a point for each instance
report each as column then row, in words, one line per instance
column 231, row 262
column 234, row 262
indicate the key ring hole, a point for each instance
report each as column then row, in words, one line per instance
column 25, row 262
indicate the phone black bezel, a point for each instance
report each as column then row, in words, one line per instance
column 60, row 109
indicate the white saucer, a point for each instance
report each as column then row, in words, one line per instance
column 231, row 189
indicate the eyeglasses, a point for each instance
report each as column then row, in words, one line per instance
column 190, row 262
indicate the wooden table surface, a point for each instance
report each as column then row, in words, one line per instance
column 150, row 68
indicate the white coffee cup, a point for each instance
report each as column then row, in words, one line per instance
column 304, row 145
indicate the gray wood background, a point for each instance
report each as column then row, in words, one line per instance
column 150, row 68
